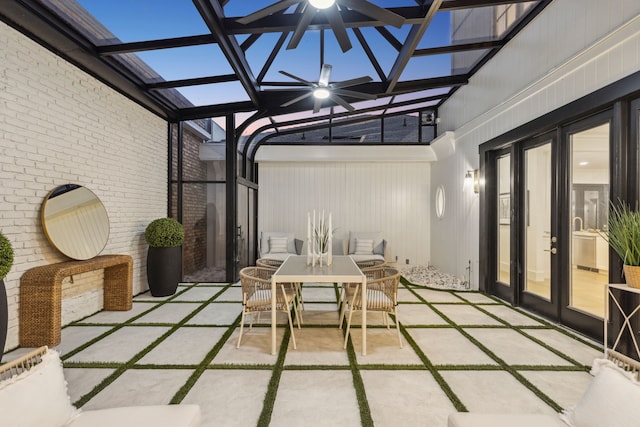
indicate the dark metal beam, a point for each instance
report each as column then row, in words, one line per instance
column 117, row 48
column 193, row 82
column 409, row 46
column 459, row 48
column 218, row 110
column 393, row 41
column 213, row 14
column 369, row 52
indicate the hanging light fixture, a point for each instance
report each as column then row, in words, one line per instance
column 321, row 93
column 321, row 4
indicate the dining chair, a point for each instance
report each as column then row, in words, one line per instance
column 274, row 264
column 371, row 268
column 382, row 296
column 257, row 297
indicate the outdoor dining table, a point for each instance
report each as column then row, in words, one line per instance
column 296, row 270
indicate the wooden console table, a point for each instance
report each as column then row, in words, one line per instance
column 41, row 295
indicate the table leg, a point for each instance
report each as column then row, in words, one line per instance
column 364, row 315
column 273, row 315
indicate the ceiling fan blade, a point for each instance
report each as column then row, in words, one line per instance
column 306, row 18
column 375, row 12
column 337, row 24
column 351, row 82
column 299, row 98
column 316, row 105
column 354, row 94
column 276, row 7
column 300, row 79
column 342, row 102
column 325, row 75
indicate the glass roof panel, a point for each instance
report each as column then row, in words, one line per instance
column 438, row 32
column 212, row 94
column 187, row 62
column 139, row 20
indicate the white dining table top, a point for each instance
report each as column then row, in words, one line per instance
column 295, row 269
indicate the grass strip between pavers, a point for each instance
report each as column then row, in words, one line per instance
column 123, row 368
column 505, row 366
column 366, row 420
column 193, row 378
column 274, row 382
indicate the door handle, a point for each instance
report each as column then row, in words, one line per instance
column 552, row 250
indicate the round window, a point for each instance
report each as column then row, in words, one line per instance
column 440, row 201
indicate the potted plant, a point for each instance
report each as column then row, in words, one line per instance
column 623, row 235
column 164, row 259
column 6, row 262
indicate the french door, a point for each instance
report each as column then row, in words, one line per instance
column 549, row 207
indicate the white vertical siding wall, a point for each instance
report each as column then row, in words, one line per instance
column 570, row 50
column 393, row 198
column 59, row 125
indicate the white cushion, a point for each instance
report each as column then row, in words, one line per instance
column 279, row 257
column 37, row 397
column 376, row 236
column 364, row 247
column 266, row 235
column 140, row 416
column 278, row 245
column 358, row 258
column 470, row 419
column 612, row 399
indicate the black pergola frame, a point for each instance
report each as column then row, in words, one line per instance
column 34, row 19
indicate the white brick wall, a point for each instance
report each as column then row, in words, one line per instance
column 59, row 125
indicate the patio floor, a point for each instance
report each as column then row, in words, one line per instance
column 462, row 351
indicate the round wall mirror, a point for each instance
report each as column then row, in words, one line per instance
column 440, row 201
column 75, row 221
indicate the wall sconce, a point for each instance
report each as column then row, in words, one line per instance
column 472, row 177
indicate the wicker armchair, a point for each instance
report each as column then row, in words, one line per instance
column 256, row 297
column 274, row 264
column 270, row 263
column 371, row 268
column 382, row 296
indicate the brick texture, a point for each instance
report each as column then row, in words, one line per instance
column 59, row 125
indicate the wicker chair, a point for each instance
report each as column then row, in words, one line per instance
column 382, row 296
column 256, row 297
column 371, row 268
column 274, row 264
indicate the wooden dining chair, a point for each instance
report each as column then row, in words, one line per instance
column 382, row 296
column 256, row 297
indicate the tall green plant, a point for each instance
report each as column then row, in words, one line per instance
column 624, row 233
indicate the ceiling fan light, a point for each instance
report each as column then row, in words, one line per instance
column 321, row 4
column 321, row 93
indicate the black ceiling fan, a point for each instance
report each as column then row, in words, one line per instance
column 332, row 10
column 323, row 89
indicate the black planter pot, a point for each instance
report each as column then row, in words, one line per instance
column 164, row 270
column 4, row 317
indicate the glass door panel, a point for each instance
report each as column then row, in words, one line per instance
column 537, row 220
column 589, row 151
column 503, row 238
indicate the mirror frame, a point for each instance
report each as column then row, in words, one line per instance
column 81, row 228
